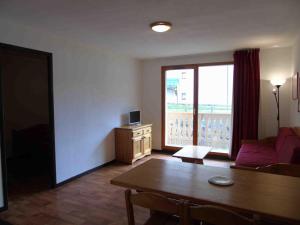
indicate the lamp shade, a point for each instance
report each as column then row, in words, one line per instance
column 277, row 81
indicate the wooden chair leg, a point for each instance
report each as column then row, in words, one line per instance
column 256, row 219
column 151, row 212
column 129, row 208
column 185, row 219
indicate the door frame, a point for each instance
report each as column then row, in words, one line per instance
column 195, row 106
column 49, row 57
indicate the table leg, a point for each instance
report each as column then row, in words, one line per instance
column 197, row 161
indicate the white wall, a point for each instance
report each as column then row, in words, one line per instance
column 93, row 90
column 273, row 62
column 294, row 114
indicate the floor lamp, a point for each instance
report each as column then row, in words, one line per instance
column 277, row 84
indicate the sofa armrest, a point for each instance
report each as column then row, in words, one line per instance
column 264, row 141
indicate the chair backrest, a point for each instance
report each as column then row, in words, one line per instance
column 153, row 202
column 282, row 169
column 216, row 215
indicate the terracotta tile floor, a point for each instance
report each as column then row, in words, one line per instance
column 89, row 200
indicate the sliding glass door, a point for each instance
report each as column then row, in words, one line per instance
column 179, row 103
column 215, row 107
column 197, row 106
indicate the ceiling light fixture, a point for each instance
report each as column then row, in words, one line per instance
column 160, row 26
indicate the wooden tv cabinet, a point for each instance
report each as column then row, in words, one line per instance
column 133, row 142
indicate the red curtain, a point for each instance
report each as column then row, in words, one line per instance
column 246, row 85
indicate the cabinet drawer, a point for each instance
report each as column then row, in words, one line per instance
column 137, row 133
column 147, row 130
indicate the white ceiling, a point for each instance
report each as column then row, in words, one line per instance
column 199, row 26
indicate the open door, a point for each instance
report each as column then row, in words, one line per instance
column 3, row 194
column 26, row 119
column 3, row 178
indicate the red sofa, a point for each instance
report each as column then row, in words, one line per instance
column 285, row 148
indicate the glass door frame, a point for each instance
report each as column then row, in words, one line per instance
column 195, row 67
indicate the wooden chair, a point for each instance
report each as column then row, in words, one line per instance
column 214, row 215
column 162, row 209
column 281, row 169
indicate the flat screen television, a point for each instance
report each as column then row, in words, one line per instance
column 134, row 117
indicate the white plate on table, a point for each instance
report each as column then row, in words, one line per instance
column 221, row 181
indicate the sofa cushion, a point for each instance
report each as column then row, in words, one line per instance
column 254, row 155
column 281, row 137
column 287, row 152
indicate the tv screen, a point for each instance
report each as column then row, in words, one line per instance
column 134, row 117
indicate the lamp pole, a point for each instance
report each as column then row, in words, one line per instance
column 276, row 95
column 277, row 83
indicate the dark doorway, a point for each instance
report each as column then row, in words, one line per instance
column 27, row 130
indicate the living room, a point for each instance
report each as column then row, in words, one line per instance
column 107, row 61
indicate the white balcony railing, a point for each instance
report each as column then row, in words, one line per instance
column 213, row 129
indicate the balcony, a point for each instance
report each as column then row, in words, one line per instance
column 214, row 129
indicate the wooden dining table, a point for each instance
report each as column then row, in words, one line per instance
column 273, row 196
